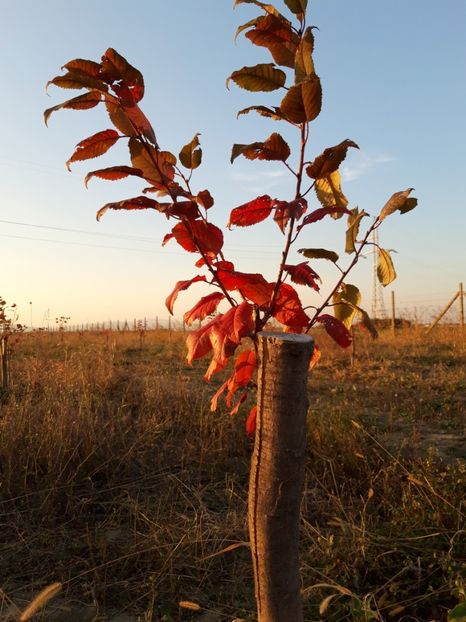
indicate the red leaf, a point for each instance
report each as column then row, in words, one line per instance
column 184, row 209
column 130, row 83
column 320, row 213
column 251, row 213
column 87, row 67
column 181, row 286
column 206, row 306
column 252, row 286
column 139, row 121
column 94, row 146
column 204, row 199
column 113, row 172
column 214, row 400
column 234, row 411
column 336, row 329
column 225, row 265
column 129, row 204
column 220, row 337
column 288, row 309
column 82, row 102
column 198, row 342
column 303, row 274
column 198, row 235
column 213, row 368
column 284, row 210
column 243, row 322
column 245, row 366
column 251, row 422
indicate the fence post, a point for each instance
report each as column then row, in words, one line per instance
column 440, row 315
column 461, row 294
column 277, row 474
column 393, row 314
column 5, row 369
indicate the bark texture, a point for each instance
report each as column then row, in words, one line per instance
column 277, row 474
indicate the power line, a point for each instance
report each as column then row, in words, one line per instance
column 134, row 238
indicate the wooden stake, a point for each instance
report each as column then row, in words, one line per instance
column 461, row 295
column 277, row 474
column 393, row 314
column 440, row 316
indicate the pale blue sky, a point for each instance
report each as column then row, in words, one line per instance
column 393, row 74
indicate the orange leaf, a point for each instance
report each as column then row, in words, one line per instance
column 94, row 146
column 181, row 286
column 251, row 213
column 315, row 357
column 206, row 306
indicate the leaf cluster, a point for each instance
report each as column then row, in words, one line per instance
column 252, row 300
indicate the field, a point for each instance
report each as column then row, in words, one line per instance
column 117, row 480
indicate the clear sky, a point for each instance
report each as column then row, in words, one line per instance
column 393, row 75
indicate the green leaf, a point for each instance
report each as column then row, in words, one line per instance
column 319, row 253
column 458, row 614
column 297, row 6
column 328, row 191
column 354, row 222
column 304, row 65
column 191, row 154
column 397, row 202
column 385, row 270
column 342, row 310
column 263, row 77
column 82, row 102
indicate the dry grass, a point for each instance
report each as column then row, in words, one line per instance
column 117, row 480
